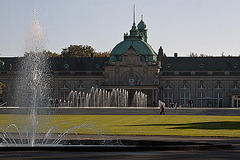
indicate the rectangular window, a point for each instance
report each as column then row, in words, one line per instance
column 168, row 97
column 218, row 102
column 64, row 95
column 184, row 98
column 200, row 99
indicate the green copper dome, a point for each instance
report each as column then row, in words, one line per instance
column 137, row 39
column 143, row 48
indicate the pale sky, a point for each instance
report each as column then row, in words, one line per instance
column 183, row 26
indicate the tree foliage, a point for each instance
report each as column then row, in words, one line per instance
column 193, row 55
column 51, row 54
column 78, row 51
column 82, row 51
column 47, row 53
column 200, row 55
column 102, row 54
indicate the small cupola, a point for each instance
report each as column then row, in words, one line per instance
column 141, row 25
column 142, row 28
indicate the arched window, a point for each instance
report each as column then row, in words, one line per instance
column 184, row 86
column 80, row 87
column 131, row 79
column 201, row 86
column 66, row 66
column 235, row 87
column 168, row 86
column 218, row 87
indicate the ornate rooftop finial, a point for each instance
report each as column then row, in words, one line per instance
column 160, row 53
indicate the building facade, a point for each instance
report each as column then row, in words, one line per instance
column 133, row 65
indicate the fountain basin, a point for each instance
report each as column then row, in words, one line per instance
column 115, row 146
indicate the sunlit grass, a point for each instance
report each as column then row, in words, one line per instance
column 172, row 125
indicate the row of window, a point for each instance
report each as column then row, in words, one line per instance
column 67, row 87
column 202, row 66
column 202, row 87
column 202, row 99
column 65, row 90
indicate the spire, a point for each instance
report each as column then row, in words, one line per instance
column 141, row 17
column 134, row 22
column 134, row 30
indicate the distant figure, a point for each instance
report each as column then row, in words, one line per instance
column 56, row 102
column 190, row 103
column 162, row 107
column 175, row 105
column 51, row 102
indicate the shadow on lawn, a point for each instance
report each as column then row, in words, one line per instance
column 202, row 125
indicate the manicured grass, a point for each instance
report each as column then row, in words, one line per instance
column 172, row 125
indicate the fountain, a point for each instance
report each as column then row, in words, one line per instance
column 32, row 84
column 103, row 98
column 32, row 93
column 32, row 79
column 99, row 98
column 139, row 99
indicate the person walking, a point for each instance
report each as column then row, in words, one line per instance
column 162, row 107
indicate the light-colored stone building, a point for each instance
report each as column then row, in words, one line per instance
column 134, row 66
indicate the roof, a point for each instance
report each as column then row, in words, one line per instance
column 168, row 63
column 10, row 63
column 200, row 64
column 78, row 64
column 62, row 63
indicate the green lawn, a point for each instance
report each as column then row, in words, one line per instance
column 174, row 125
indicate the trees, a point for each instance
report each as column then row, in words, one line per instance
column 200, row 55
column 50, row 54
column 77, row 51
column 193, row 55
column 82, row 51
column 102, row 54
column 47, row 53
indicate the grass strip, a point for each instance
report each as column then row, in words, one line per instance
column 170, row 125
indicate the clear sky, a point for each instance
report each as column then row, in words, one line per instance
column 183, row 26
